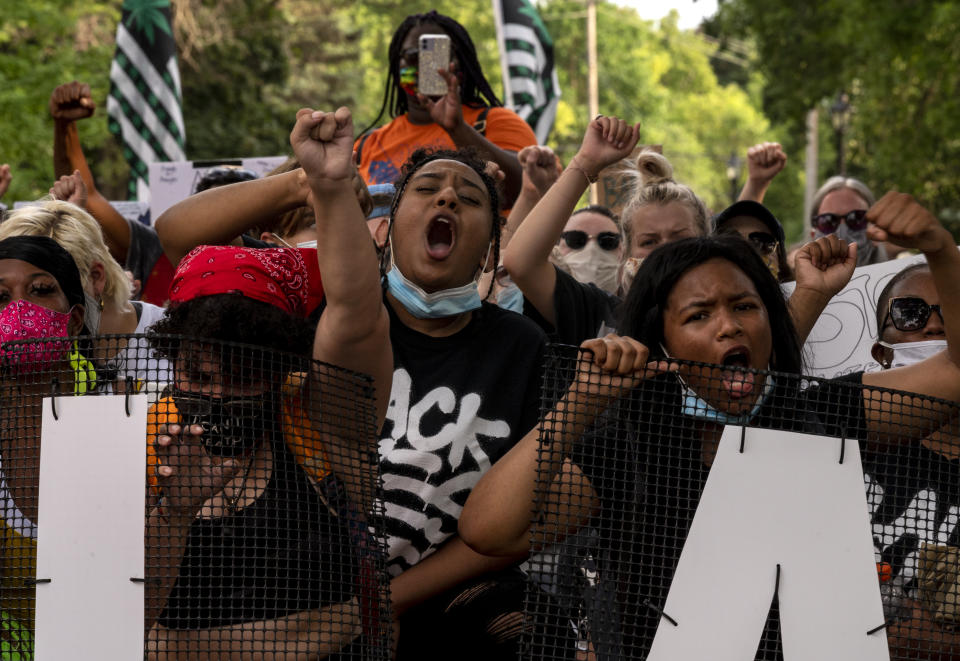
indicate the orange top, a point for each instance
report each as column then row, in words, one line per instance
column 388, row 147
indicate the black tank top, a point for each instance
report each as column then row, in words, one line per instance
column 282, row 554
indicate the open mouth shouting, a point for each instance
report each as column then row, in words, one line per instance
column 441, row 236
column 737, row 381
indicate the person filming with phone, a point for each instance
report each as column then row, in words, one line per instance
column 438, row 97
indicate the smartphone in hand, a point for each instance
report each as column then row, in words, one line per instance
column 434, row 55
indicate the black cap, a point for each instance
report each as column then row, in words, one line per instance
column 750, row 209
column 223, row 175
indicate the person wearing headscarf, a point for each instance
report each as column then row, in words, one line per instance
column 41, row 307
column 259, row 452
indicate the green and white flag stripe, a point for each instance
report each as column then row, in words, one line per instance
column 526, row 55
column 144, row 104
column 134, row 63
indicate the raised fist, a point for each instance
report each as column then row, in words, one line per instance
column 70, row 188
column 900, row 219
column 606, row 141
column 323, row 143
column 765, row 161
column 541, row 167
column 71, row 102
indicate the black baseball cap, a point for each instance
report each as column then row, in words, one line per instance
column 750, row 209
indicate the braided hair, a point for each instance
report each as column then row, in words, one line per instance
column 469, row 157
column 475, row 91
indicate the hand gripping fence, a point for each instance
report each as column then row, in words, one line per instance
column 657, row 536
column 263, row 526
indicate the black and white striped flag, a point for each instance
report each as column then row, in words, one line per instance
column 526, row 59
column 144, row 105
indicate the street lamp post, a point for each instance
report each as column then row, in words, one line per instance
column 840, row 118
column 733, row 173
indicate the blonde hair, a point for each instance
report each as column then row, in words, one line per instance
column 650, row 181
column 80, row 235
column 839, row 183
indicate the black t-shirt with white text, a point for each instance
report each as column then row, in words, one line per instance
column 914, row 498
column 457, row 405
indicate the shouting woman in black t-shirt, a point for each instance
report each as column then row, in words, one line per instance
column 713, row 301
column 465, row 390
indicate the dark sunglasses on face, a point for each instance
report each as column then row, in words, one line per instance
column 911, row 313
column 764, row 242
column 577, row 239
column 827, row 223
column 411, row 55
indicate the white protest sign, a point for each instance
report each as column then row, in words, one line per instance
column 173, row 181
column 90, row 529
column 785, row 500
column 131, row 209
column 841, row 340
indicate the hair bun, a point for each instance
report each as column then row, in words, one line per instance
column 653, row 168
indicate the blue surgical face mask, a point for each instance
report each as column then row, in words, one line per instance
column 511, row 298
column 696, row 407
column 439, row 304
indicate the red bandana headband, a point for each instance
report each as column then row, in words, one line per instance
column 288, row 278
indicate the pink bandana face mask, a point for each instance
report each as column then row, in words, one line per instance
column 23, row 320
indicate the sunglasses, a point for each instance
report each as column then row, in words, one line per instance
column 911, row 313
column 411, row 55
column 577, row 239
column 827, row 223
column 764, row 242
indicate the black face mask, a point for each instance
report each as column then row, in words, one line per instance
column 231, row 426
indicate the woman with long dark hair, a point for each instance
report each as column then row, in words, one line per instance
column 644, row 462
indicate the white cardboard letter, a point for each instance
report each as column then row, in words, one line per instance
column 785, row 500
column 90, row 529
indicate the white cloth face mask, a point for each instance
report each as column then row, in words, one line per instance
column 910, row 353
column 593, row 264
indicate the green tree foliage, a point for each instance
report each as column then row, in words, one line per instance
column 44, row 43
column 247, row 65
column 659, row 75
column 900, row 63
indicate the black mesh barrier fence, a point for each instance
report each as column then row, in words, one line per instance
column 263, row 523
column 624, row 466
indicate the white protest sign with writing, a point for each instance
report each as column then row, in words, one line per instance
column 841, row 340
column 90, row 529
column 173, row 181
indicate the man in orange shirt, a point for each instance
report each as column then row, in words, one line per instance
column 468, row 115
